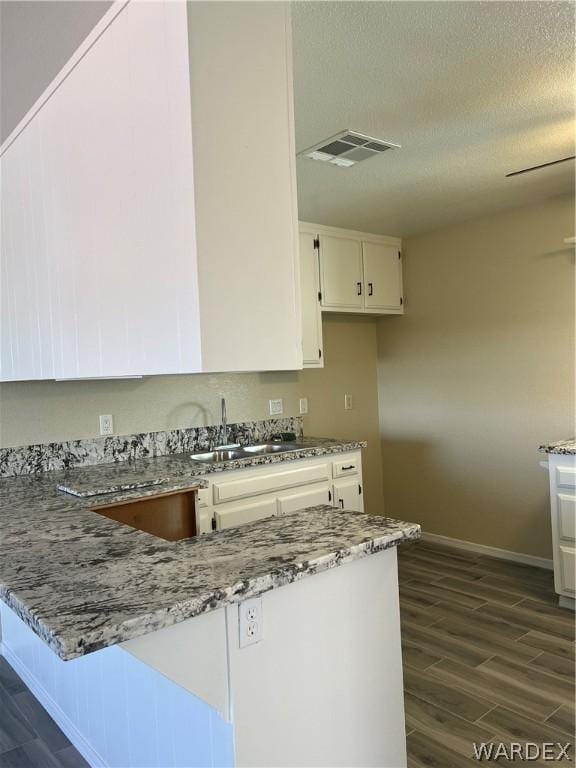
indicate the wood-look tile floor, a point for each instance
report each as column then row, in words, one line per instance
column 29, row 738
column 488, row 656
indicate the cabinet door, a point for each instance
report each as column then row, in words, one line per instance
column 341, row 274
column 239, row 514
column 307, row 497
column 348, row 495
column 567, row 566
column 382, row 277
column 311, row 314
column 245, row 173
column 27, row 312
column 566, row 505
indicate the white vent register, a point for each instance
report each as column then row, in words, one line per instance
column 347, row 148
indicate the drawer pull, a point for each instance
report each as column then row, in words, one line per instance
column 350, row 466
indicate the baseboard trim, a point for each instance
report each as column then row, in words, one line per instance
column 567, row 602
column 62, row 720
column 483, row 549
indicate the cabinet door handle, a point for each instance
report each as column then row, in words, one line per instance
column 342, row 503
column 359, row 289
column 329, row 495
column 370, row 289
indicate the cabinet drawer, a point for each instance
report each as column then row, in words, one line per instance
column 566, row 476
column 272, row 481
column 567, row 566
column 306, row 497
column 566, row 516
column 347, row 466
column 247, row 512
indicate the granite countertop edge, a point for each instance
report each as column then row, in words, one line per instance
column 83, row 582
column 178, row 471
column 72, row 644
column 561, row 447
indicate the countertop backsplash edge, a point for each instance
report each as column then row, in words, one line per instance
column 56, row 456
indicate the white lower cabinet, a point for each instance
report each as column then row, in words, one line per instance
column 245, row 512
column 567, row 566
column 348, row 494
column 264, row 480
column 306, row 497
column 242, row 496
column 563, row 511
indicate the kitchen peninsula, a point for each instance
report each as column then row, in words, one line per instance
column 132, row 642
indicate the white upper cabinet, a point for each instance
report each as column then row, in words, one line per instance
column 245, row 179
column 312, row 348
column 382, row 276
column 341, row 273
column 359, row 273
column 141, row 195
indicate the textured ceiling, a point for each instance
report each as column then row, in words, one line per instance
column 471, row 90
column 37, row 37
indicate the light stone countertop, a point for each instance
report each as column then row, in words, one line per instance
column 566, row 447
column 83, row 582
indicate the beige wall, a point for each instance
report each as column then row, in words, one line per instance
column 36, row 412
column 478, row 372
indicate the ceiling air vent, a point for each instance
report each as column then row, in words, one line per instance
column 347, row 148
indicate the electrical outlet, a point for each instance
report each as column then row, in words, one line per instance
column 347, row 402
column 303, row 405
column 106, row 424
column 276, row 407
column 250, row 624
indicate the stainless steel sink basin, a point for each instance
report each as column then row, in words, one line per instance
column 215, row 457
column 271, row 448
column 244, row 452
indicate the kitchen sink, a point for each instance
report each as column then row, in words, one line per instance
column 219, row 455
column 272, row 448
column 244, row 452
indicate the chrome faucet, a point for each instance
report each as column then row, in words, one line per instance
column 224, row 422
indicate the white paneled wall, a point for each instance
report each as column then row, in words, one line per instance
column 99, row 256
column 116, row 710
column 149, row 217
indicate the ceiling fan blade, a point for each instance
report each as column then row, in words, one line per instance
column 536, row 167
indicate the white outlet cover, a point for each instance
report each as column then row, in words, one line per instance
column 276, row 407
column 106, row 424
column 303, row 405
column 250, row 622
column 348, row 402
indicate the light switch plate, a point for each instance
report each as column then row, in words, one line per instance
column 347, row 402
column 276, row 407
column 303, row 405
